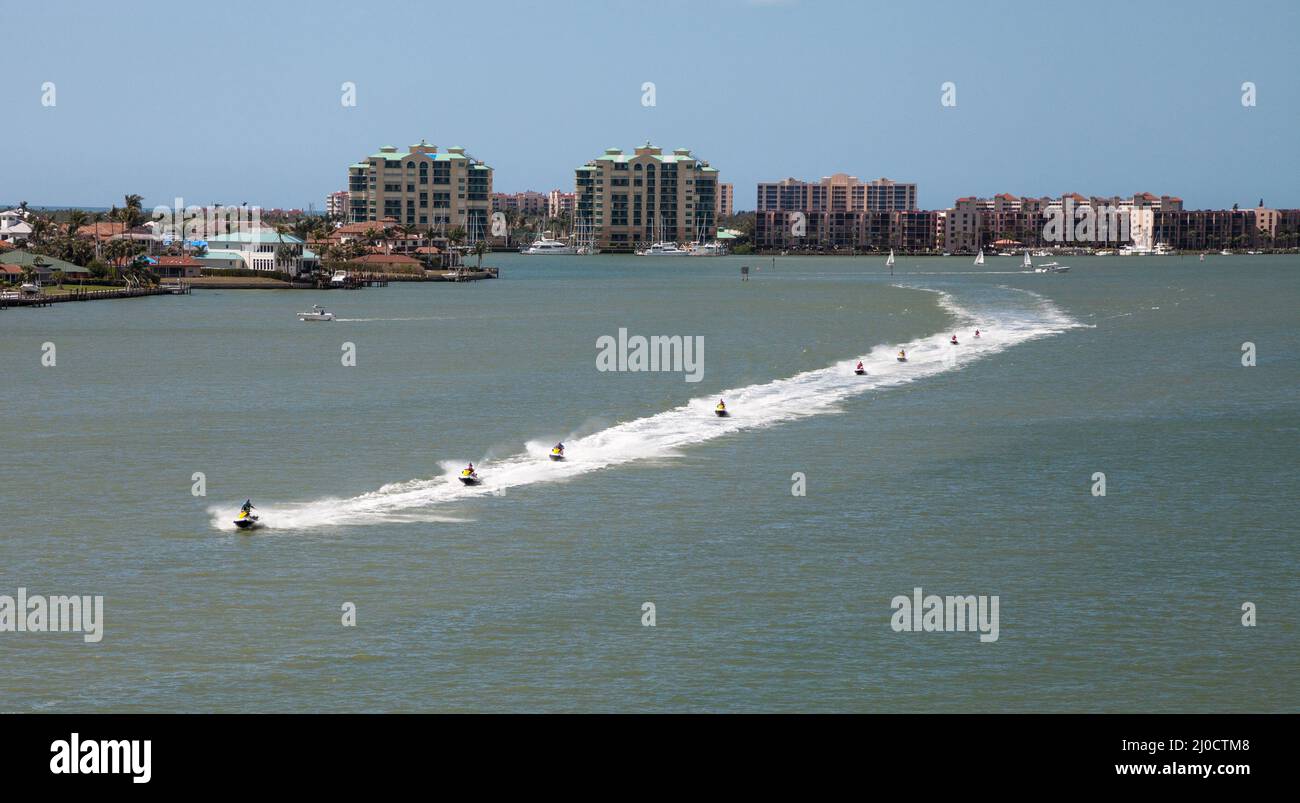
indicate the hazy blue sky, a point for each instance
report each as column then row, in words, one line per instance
column 236, row 101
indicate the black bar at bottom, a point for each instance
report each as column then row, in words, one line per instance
column 335, row 752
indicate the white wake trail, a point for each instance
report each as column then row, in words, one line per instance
column 664, row 434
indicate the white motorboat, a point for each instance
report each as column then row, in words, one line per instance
column 1051, row 267
column 339, row 278
column 318, row 313
column 546, row 245
column 27, row 288
column 663, row 249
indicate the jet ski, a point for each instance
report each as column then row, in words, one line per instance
column 953, row 341
column 469, row 476
column 721, row 410
column 902, row 356
column 859, row 370
column 247, row 521
column 557, row 452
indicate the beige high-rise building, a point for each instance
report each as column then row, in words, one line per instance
column 838, row 193
column 559, row 203
column 646, row 196
column 726, row 200
column 422, row 186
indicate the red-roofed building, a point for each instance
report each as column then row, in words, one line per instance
column 383, row 262
column 172, row 267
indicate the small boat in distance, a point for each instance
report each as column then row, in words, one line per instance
column 1027, row 263
column 979, row 258
column 318, row 313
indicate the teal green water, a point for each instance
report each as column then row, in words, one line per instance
column 970, row 476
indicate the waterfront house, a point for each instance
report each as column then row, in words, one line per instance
column 44, row 266
column 262, row 249
column 389, row 263
column 221, row 260
column 177, row 267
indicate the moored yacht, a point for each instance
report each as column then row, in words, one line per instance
column 546, row 245
column 663, row 249
column 713, row 249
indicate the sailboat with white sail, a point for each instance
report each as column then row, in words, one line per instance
column 979, row 258
column 890, row 262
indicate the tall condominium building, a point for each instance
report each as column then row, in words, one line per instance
column 422, row 186
column 837, row 193
column 559, row 202
column 726, row 200
column 1007, row 221
column 646, row 196
column 336, row 204
column 912, row 231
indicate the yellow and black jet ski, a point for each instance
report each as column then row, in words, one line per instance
column 247, row 521
column 902, row 356
column 557, row 451
column 469, row 476
column 721, row 409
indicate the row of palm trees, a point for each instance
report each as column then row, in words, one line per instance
column 115, row 259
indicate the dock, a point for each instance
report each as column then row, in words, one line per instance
column 43, row 300
column 356, row 281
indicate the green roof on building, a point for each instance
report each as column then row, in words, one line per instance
column 21, row 258
column 255, row 236
column 219, row 254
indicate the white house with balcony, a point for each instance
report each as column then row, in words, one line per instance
column 256, row 249
column 14, row 227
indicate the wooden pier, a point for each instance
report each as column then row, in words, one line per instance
column 356, row 281
column 75, row 294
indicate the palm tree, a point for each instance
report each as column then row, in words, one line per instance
column 76, row 219
column 132, row 214
column 480, row 248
